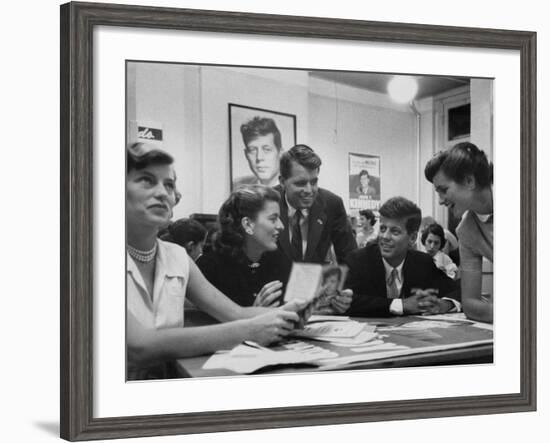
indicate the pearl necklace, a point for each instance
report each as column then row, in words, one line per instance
column 143, row 256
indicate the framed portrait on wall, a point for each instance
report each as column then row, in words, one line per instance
column 98, row 41
column 257, row 138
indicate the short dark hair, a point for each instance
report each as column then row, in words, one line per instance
column 461, row 160
column 364, row 172
column 332, row 270
column 301, row 154
column 435, row 229
column 369, row 215
column 260, row 126
column 185, row 230
column 246, row 201
column 398, row 208
column 140, row 155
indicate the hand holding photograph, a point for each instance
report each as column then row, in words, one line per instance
column 289, row 220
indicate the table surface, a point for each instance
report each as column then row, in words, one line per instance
column 461, row 343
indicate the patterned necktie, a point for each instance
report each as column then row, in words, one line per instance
column 393, row 292
column 296, row 242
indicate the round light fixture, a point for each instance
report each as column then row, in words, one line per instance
column 402, row 89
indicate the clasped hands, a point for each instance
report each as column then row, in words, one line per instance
column 426, row 301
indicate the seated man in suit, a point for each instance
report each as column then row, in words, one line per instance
column 313, row 218
column 390, row 278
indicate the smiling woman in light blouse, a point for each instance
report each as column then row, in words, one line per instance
column 463, row 179
column 160, row 276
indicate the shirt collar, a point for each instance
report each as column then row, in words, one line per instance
column 389, row 268
column 484, row 218
column 165, row 262
column 292, row 210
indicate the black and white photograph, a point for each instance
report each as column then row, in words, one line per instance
column 257, row 138
column 284, row 197
column 352, row 278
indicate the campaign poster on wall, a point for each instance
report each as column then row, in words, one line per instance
column 364, row 181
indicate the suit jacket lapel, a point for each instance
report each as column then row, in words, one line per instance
column 284, row 237
column 316, row 223
column 407, row 275
column 379, row 272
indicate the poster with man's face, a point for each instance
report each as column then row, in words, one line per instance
column 364, row 181
column 257, row 138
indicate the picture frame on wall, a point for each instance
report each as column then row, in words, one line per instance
column 268, row 134
column 96, row 42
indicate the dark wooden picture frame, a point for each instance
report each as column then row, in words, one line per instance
column 282, row 121
column 77, row 217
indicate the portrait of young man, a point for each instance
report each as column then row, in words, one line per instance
column 262, row 149
column 257, row 139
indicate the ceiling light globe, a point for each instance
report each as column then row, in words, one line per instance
column 402, row 89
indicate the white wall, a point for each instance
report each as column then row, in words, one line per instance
column 286, row 93
column 339, row 126
column 29, row 377
column 190, row 103
column 481, row 91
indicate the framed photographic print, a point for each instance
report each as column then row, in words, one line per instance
column 257, row 137
column 125, row 78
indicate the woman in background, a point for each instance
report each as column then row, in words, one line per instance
column 160, row 276
column 451, row 242
column 433, row 240
column 245, row 263
column 366, row 233
column 187, row 233
column 463, row 179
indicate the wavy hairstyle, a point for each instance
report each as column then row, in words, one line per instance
column 140, row 155
column 461, row 160
column 369, row 215
column 398, row 208
column 258, row 127
column 247, row 201
column 301, row 154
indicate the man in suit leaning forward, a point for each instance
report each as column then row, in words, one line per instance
column 390, row 278
column 313, row 218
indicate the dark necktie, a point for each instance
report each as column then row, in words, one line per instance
column 296, row 242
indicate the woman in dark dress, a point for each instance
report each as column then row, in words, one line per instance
column 245, row 263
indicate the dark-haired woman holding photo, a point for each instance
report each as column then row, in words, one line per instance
column 160, row 275
column 245, row 263
column 463, row 179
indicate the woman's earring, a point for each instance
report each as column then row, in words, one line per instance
column 249, row 231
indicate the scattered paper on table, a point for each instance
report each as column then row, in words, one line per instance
column 245, row 359
column 363, row 337
column 455, row 316
column 487, row 326
column 319, row 318
column 337, row 329
column 380, row 347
